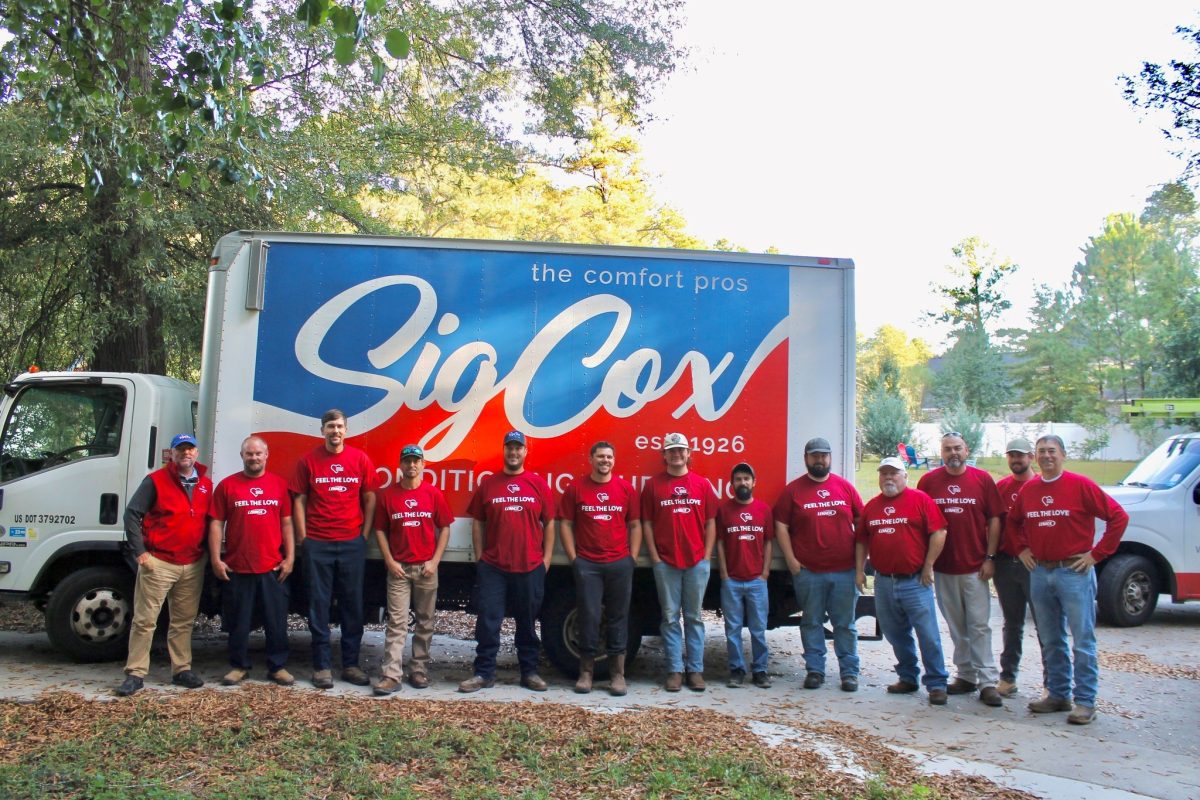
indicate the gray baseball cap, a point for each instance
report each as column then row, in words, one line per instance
column 817, row 445
column 1019, row 445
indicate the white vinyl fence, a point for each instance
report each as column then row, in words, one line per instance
column 1123, row 443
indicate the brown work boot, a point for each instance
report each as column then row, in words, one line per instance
column 989, row 696
column 474, row 684
column 356, row 676
column 902, row 687
column 534, row 683
column 695, row 681
column 234, row 676
column 586, row 665
column 419, row 680
column 959, row 686
column 322, row 679
column 617, row 686
column 674, row 682
column 1006, row 688
column 281, row 677
column 387, row 686
column 1081, row 715
column 937, row 697
column 1049, row 704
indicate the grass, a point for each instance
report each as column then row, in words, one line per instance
column 267, row 742
column 1105, row 473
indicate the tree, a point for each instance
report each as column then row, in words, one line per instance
column 973, row 371
column 1175, row 89
column 154, row 108
column 892, row 360
column 969, row 425
column 885, row 422
column 1053, row 372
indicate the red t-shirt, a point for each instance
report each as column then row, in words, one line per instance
column 897, row 530
column 514, row 510
column 333, row 484
column 253, row 510
column 820, row 517
column 1009, row 487
column 1057, row 519
column 679, row 507
column 600, row 514
column 412, row 519
column 967, row 502
column 743, row 530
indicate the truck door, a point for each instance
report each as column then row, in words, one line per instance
column 63, row 471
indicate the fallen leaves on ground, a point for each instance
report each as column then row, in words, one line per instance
column 1139, row 664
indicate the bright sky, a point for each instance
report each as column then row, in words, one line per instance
column 887, row 132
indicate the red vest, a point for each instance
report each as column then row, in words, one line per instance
column 174, row 529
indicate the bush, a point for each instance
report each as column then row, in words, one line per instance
column 969, row 424
column 885, row 422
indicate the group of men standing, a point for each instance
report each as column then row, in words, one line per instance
column 957, row 530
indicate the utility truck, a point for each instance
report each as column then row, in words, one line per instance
column 448, row 344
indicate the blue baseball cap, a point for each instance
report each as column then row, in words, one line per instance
column 412, row 451
column 183, row 439
column 514, row 436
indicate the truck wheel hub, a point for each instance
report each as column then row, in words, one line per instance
column 100, row 615
column 1137, row 592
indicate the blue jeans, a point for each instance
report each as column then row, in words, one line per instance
column 682, row 589
column 495, row 591
column 1065, row 599
column 834, row 594
column 745, row 600
column 334, row 570
column 904, row 606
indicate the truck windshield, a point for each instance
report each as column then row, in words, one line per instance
column 52, row 424
column 1170, row 463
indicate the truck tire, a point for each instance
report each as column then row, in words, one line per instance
column 1127, row 591
column 89, row 612
column 560, row 636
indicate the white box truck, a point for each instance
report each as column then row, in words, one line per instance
column 448, row 344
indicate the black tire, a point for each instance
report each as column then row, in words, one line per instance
column 89, row 613
column 1127, row 591
column 560, row 637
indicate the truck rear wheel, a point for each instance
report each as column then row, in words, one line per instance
column 560, row 634
column 89, row 612
column 1127, row 591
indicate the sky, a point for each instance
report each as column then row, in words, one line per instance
column 888, row 132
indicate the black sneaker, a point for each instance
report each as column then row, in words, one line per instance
column 813, row 680
column 850, row 684
column 131, row 685
column 187, row 679
column 737, row 677
column 762, row 680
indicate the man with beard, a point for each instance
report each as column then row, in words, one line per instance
column 1012, row 579
column 1054, row 523
column 510, row 517
column 903, row 532
column 971, row 506
column 253, row 511
column 600, row 525
column 744, row 531
column 814, row 523
column 333, row 510
column 678, row 511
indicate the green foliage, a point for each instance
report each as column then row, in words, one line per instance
column 967, row 422
column 1053, row 370
column 973, row 375
column 892, row 360
column 884, row 422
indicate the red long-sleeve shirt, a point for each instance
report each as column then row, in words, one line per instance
column 1056, row 519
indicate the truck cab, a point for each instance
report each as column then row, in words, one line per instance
column 1160, row 551
column 73, row 448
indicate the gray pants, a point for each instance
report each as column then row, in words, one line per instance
column 966, row 604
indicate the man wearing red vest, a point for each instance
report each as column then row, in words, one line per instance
column 164, row 534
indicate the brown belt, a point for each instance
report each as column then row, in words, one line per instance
column 1066, row 563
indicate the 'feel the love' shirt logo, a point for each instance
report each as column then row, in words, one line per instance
column 954, row 488
column 822, row 493
column 514, row 488
column 336, row 469
column 602, row 497
column 256, row 491
column 411, row 502
column 889, row 510
column 1047, row 500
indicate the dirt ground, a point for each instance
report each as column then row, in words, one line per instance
column 1144, row 742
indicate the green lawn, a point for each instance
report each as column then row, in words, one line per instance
column 1106, row 473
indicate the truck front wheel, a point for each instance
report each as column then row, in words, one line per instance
column 88, row 614
column 1127, row 591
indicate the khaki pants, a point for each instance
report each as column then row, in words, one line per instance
column 420, row 593
column 180, row 586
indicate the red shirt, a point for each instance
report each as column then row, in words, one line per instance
column 679, row 507
column 412, row 519
column 514, row 509
column 967, row 502
column 1057, row 519
column 333, row 484
column 744, row 530
column 1009, row 487
column 820, row 517
column 897, row 530
column 173, row 530
column 600, row 514
column 253, row 510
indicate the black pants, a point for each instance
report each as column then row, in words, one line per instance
column 238, row 599
column 1012, row 588
column 603, row 587
column 495, row 589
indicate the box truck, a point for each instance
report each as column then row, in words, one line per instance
column 448, row 344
